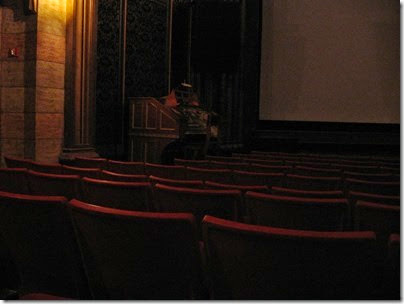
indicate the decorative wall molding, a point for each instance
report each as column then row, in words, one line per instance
column 81, row 47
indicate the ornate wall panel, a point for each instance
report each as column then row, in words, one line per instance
column 107, row 103
column 145, row 64
column 146, row 44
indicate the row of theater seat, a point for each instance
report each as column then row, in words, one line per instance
column 176, row 199
column 318, row 167
column 335, row 158
column 314, row 210
column 308, row 179
column 82, row 251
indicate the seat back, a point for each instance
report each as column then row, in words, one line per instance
column 264, row 161
column 312, row 171
column 296, row 212
column 90, row 162
column 14, row 180
column 320, row 164
column 382, row 188
column 82, row 172
column 191, row 183
column 46, row 168
column 126, row 167
column 374, row 177
column 242, row 213
column 357, row 168
column 199, row 202
column 250, row 262
column 354, row 196
column 113, row 194
column 258, row 178
column 228, row 165
column 203, row 163
column 39, row 234
column 223, row 158
column 242, row 188
column 15, row 162
column 53, row 184
column 165, row 171
column 391, row 279
column 307, row 193
column 319, row 183
column 390, row 169
column 137, row 255
column 112, row 176
column 382, row 219
column 269, row 169
column 217, row 175
column 358, row 162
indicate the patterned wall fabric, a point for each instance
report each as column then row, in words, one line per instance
column 107, row 103
column 146, row 64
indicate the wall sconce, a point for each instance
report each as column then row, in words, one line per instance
column 31, row 6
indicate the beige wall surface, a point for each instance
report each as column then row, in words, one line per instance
column 32, row 84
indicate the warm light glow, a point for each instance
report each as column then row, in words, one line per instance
column 52, row 15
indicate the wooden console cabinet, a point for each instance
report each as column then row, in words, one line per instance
column 152, row 126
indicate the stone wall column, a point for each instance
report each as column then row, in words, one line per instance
column 47, row 115
column 18, row 31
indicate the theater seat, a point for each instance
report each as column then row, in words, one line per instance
column 46, row 168
column 357, row 168
column 191, row 183
column 40, row 237
column 313, row 171
column 264, row 161
column 82, row 172
column 119, row 177
column 392, row 271
column 354, row 196
column 121, row 195
column 90, row 162
column 223, row 158
column 138, row 255
column 250, row 262
column 125, row 167
column 269, row 169
column 53, row 184
column 9, row 277
column 216, row 175
column 307, row 193
column 242, row 188
column 380, row 218
column 199, row 202
column 228, row 165
column 323, row 214
column 318, row 183
column 375, row 177
column 15, row 162
column 165, row 171
column 382, row 188
column 258, row 178
column 191, row 162
column 14, row 180
column 42, row 297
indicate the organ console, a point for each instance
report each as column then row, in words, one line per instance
column 173, row 126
